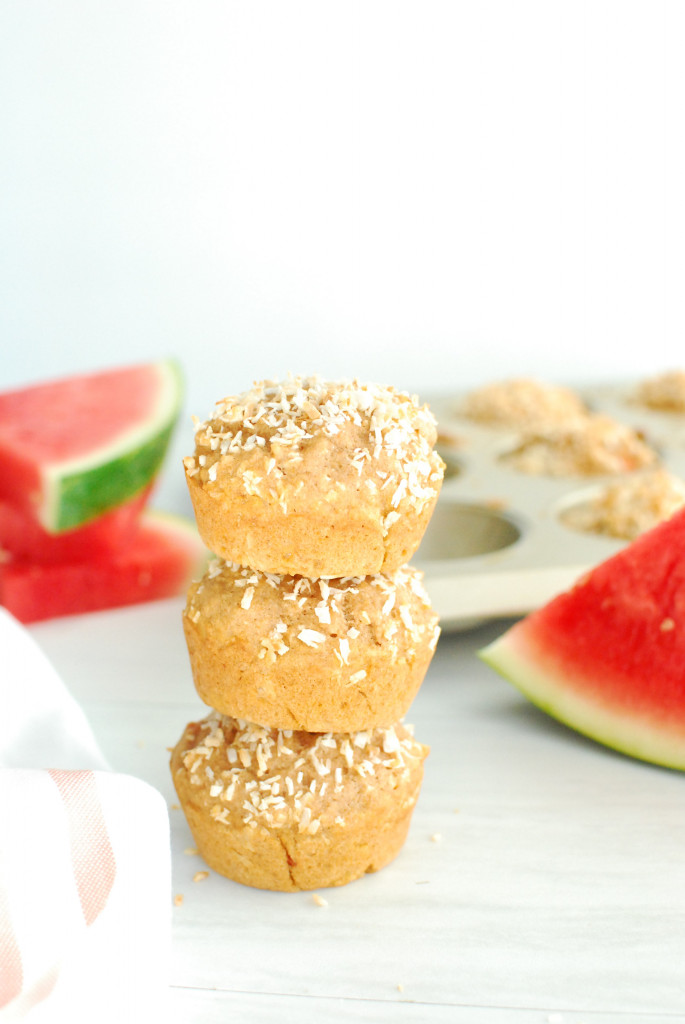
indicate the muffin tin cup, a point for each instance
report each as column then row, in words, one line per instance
column 497, row 544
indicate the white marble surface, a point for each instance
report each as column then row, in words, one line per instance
column 543, row 879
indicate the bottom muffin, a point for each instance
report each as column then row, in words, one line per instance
column 284, row 810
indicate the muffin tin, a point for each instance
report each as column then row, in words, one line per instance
column 496, row 545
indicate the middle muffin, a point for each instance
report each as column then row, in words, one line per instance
column 250, row 638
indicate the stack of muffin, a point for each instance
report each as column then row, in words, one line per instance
column 308, row 635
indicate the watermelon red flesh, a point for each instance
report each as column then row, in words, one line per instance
column 608, row 656
column 72, row 449
column 160, row 561
column 23, row 538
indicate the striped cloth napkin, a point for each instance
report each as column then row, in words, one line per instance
column 84, row 861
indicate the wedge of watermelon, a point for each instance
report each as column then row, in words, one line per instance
column 164, row 555
column 72, row 449
column 608, row 656
column 22, row 537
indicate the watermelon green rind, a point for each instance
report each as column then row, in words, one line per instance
column 546, row 685
column 85, row 494
column 77, row 491
column 607, row 657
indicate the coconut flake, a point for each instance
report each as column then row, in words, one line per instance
column 311, row 637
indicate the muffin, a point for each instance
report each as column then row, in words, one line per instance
column 664, row 393
column 628, row 507
column 593, row 446
column 522, row 404
column 315, row 478
column 296, row 810
column 318, row 655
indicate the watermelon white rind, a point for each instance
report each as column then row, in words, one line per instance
column 72, row 487
column 607, row 657
column 547, row 687
column 78, row 491
column 81, row 492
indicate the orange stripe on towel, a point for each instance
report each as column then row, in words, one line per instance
column 92, row 855
column 11, row 970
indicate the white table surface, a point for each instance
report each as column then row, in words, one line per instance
column 543, row 879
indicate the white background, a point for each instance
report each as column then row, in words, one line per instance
column 425, row 193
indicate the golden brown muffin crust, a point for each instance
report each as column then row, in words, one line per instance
column 313, row 477
column 594, row 446
column 295, row 810
column 320, row 655
column 664, row 393
column 523, row 403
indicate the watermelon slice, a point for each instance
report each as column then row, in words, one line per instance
column 608, row 656
column 22, row 536
column 75, row 448
column 165, row 554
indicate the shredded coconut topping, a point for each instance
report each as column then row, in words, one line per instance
column 311, row 637
column 666, row 392
column 268, row 790
column 523, row 404
column 385, row 435
column 592, row 446
column 630, row 506
column 341, row 616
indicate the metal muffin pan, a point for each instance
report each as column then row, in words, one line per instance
column 496, row 545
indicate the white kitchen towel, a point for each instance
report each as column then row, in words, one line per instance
column 85, row 911
column 41, row 725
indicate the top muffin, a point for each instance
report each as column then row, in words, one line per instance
column 315, row 478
